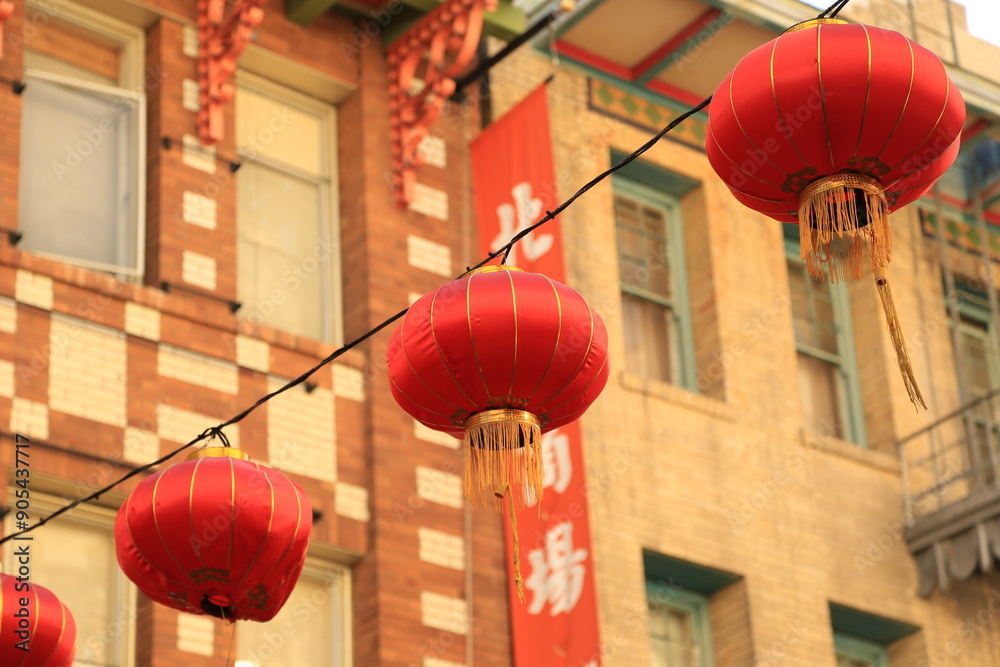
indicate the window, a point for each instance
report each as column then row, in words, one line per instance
column 979, row 373
column 861, row 639
column 828, row 384
column 658, row 340
column 286, row 211
column 681, row 597
column 74, row 557
column 855, row 652
column 311, row 630
column 679, row 632
column 82, row 195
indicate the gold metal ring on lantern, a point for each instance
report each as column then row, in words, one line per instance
column 493, row 268
column 814, row 22
column 502, row 416
column 218, row 452
column 866, row 184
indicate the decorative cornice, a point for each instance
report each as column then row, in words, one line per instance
column 6, row 9
column 445, row 42
column 221, row 40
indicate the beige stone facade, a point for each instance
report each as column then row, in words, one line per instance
column 729, row 477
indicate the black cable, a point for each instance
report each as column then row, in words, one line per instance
column 834, row 9
column 216, row 431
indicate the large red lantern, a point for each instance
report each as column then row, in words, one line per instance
column 215, row 535
column 832, row 126
column 36, row 629
column 498, row 357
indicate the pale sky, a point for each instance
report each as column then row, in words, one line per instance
column 983, row 17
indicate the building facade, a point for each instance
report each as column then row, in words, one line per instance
column 760, row 491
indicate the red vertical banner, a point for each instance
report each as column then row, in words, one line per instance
column 556, row 626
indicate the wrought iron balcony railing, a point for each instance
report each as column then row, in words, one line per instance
column 951, row 478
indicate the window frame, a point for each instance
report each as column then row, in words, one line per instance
column 338, row 579
column 332, row 324
column 848, row 382
column 131, row 88
column 697, row 605
column 860, row 649
column 94, row 516
column 683, row 371
column 969, row 309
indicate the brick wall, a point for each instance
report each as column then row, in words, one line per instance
column 128, row 372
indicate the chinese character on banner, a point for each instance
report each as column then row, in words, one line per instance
column 558, row 464
column 557, row 572
column 515, row 183
column 527, row 210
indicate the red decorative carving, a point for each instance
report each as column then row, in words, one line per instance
column 447, row 37
column 221, row 40
column 6, row 9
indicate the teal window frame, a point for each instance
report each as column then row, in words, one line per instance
column 983, row 431
column 848, row 384
column 975, row 306
column 691, row 603
column 849, row 646
column 682, row 343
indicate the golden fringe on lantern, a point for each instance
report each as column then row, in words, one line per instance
column 504, row 449
column 896, row 334
column 838, row 216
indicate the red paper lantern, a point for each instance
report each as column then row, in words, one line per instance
column 832, row 126
column 35, row 619
column 498, row 357
column 215, row 535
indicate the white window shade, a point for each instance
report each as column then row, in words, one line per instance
column 287, row 254
column 81, row 194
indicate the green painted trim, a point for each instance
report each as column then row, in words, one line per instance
column 862, row 625
column 642, row 172
column 505, row 23
column 400, row 25
column 305, row 12
column 860, row 649
column 684, row 374
column 673, row 573
column 575, row 16
column 694, row 604
column 627, row 86
column 849, row 387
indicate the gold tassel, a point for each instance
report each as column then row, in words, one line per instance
column 838, row 216
column 896, row 334
column 518, row 579
column 504, row 449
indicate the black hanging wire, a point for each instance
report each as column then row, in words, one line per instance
column 834, row 9
column 504, row 251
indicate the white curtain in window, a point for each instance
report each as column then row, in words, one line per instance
column 281, row 255
column 285, row 255
column 77, row 166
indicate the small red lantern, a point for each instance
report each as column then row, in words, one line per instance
column 832, row 126
column 215, row 535
column 36, row 629
column 498, row 357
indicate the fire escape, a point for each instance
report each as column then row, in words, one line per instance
column 951, row 468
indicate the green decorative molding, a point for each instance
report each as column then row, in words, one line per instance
column 962, row 232
column 626, row 106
